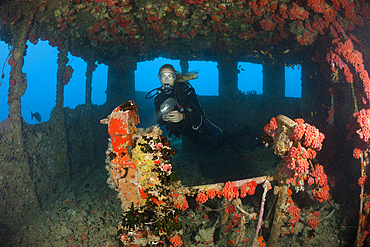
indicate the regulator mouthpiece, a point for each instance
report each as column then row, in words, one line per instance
column 167, row 88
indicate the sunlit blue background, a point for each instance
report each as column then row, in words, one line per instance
column 41, row 67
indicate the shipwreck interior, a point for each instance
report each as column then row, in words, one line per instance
column 53, row 174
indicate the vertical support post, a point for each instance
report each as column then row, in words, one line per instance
column 57, row 115
column 184, row 64
column 20, row 197
column 278, row 215
column 121, row 83
column 228, row 77
column 17, row 81
column 62, row 65
column 88, row 114
column 89, row 74
column 274, row 81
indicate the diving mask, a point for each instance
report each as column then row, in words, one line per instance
column 166, row 77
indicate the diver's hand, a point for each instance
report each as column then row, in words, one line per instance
column 165, row 117
column 175, row 116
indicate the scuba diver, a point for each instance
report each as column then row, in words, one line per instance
column 177, row 107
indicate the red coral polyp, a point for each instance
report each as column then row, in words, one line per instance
column 321, row 194
column 267, row 24
column 360, row 124
column 211, row 193
column 271, row 127
column 312, row 223
column 230, row 191
column 295, row 212
column 248, row 189
column 230, row 209
column 319, row 175
column 298, row 132
column 361, row 181
column 313, row 138
column 201, row 198
column 176, row 241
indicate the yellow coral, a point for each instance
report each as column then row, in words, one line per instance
column 145, row 164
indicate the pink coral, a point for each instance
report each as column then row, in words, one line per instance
column 353, row 57
column 230, row 209
column 311, row 153
column 362, row 124
column 167, row 168
column 319, row 175
column 313, row 219
column 267, row 24
column 176, row 241
column 271, row 127
column 185, row 204
column 201, row 198
column 363, row 117
column 297, row 162
column 312, row 223
column 298, row 132
column 296, row 12
column 295, row 152
column 364, row 133
column 311, row 181
column 211, row 193
column 358, row 151
column 361, row 181
column 230, row 191
column 295, row 212
column 313, row 138
column 321, row 194
column 302, row 166
column 248, row 189
column 68, row 74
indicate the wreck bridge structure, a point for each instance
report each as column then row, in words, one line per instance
column 327, row 38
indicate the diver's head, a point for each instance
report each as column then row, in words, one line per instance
column 167, row 75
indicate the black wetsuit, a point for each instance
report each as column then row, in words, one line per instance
column 193, row 125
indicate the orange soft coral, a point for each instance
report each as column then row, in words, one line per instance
column 248, row 189
column 295, row 212
column 313, row 138
column 230, row 191
column 176, row 241
column 201, row 197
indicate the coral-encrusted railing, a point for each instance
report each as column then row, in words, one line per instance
column 139, row 164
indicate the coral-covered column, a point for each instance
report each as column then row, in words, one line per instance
column 121, row 82
column 184, row 64
column 57, row 117
column 282, row 192
column 227, row 77
column 274, row 81
column 61, row 82
column 17, row 80
column 18, row 196
column 89, row 74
